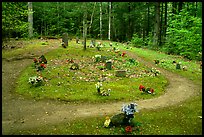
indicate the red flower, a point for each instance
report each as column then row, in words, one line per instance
column 43, row 65
column 123, row 54
column 35, row 60
column 128, row 129
column 141, row 87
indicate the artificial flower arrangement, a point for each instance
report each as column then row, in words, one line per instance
column 100, row 90
column 126, row 116
column 40, row 63
column 155, row 71
column 36, row 80
column 124, row 119
column 146, row 90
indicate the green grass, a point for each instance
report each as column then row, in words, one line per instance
column 193, row 73
column 180, row 119
column 175, row 120
column 26, row 47
column 79, row 85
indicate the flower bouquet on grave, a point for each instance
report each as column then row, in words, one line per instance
column 36, row 80
column 40, row 63
column 146, row 90
column 101, row 91
column 124, row 118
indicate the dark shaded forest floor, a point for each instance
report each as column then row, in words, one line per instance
column 19, row 113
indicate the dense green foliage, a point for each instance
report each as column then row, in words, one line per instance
column 184, row 36
column 14, row 19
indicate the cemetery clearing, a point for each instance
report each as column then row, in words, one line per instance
column 84, row 97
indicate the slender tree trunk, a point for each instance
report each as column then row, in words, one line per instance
column 161, row 26
column 165, row 20
column 30, row 19
column 109, row 23
column 58, row 17
column 101, row 20
column 85, row 25
column 147, row 30
column 90, row 25
column 157, row 24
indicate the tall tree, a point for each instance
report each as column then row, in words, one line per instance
column 147, row 29
column 101, row 20
column 85, row 25
column 156, row 41
column 30, row 19
column 109, row 23
column 161, row 25
column 90, row 25
column 165, row 20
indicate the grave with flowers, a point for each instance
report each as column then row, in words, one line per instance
column 40, row 63
column 124, row 119
column 100, row 89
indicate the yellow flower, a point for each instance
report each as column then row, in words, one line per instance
column 107, row 122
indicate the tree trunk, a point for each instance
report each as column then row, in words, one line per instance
column 161, row 26
column 90, row 25
column 30, row 19
column 85, row 25
column 157, row 24
column 58, row 17
column 101, row 20
column 165, row 20
column 147, row 30
column 109, row 24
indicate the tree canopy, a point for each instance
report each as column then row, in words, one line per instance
column 174, row 27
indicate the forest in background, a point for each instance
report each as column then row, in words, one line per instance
column 172, row 27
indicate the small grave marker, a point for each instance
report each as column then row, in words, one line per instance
column 120, row 73
column 108, row 64
column 77, row 40
column 65, row 40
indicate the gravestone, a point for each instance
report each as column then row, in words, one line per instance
column 92, row 44
column 108, row 64
column 120, row 73
column 77, row 40
column 65, row 40
column 117, row 119
column 178, row 66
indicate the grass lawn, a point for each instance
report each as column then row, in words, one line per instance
column 79, row 85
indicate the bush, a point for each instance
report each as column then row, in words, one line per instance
column 184, row 36
column 136, row 41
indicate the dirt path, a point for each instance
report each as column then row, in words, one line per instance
column 20, row 113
